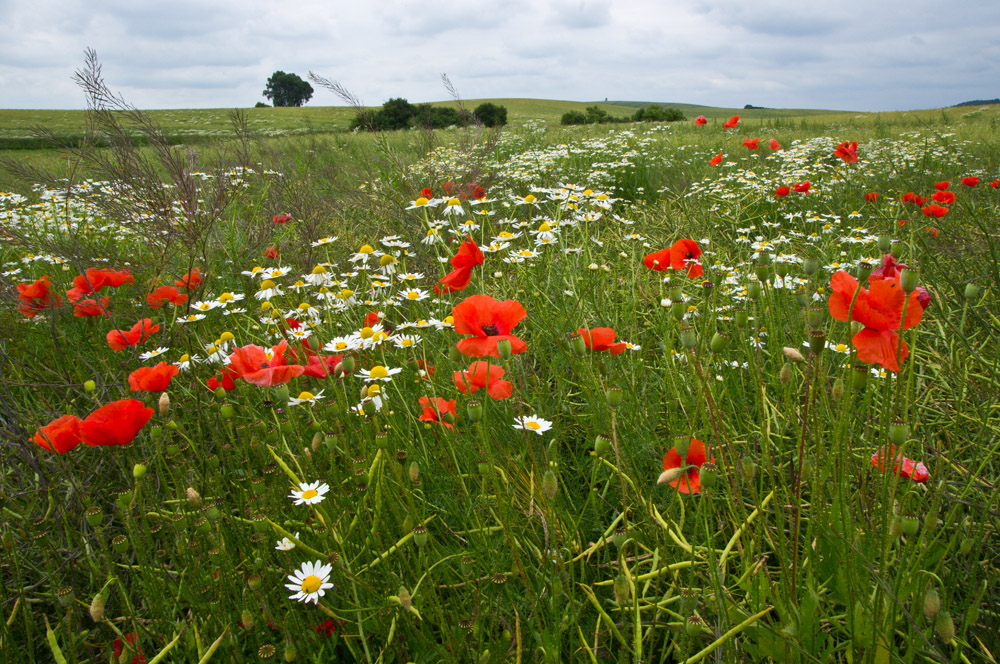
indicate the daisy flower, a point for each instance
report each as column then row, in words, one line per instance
column 305, row 397
column 324, row 240
column 378, row 372
column 310, row 493
column 532, row 423
column 404, row 340
column 285, row 544
column 414, row 294
column 310, row 582
column 190, row 318
column 150, row 354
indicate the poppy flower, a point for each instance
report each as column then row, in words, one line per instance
column 437, row 410
column 943, row 197
column 325, row 628
column 714, row 161
column 700, row 120
column 802, row 187
column 88, row 307
column 36, row 297
column 602, row 338
column 96, row 279
column 165, row 294
column 751, row 143
column 478, row 192
column 690, row 480
column 782, row 191
column 902, row 466
column 880, row 310
column 935, row 210
column 426, row 193
column 265, row 368
column 970, row 181
column 321, row 366
column 189, row 281
column 116, row 423
column 682, row 254
column 910, row 197
column 60, row 435
column 225, row 378
column 931, row 230
column 373, row 317
column 152, row 379
column 271, row 252
column 774, row 145
column 468, row 257
column 941, row 186
column 871, row 196
column 490, row 321
column 848, row 152
column 731, row 122
column 483, row 375
column 995, row 184
column 279, row 219
column 890, row 269
column 130, row 646
column 120, row 340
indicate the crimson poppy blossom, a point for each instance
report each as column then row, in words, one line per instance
column 731, row 122
column 880, row 311
column 426, row 193
column 483, row 375
column 910, row 197
column 325, row 628
column 478, row 193
column 36, row 297
column 96, row 279
column 970, row 181
column 321, row 366
column 941, row 186
column 279, row 219
column 88, row 307
column 716, row 160
column 802, row 187
column 490, row 321
column 931, row 230
column 165, row 294
column 683, row 254
column 847, row 152
column 258, row 366
column 602, row 338
column 943, row 197
column 271, row 252
column 437, row 410
column 890, row 269
column 225, row 378
column 120, row 340
column 690, row 480
column 131, row 639
column 901, row 465
column 60, row 435
column 935, row 210
column 152, row 379
column 700, row 120
column 782, row 191
column 116, row 423
column 751, row 143
column 468, row 257
column 995, row 184
column 871, row 196
column 189, row 281
column 774, row 145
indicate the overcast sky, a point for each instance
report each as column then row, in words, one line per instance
column 864, row 55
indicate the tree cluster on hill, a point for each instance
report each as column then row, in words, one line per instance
column 398, row 113
column 978, row 102
column 596, row 115
column 287, row 89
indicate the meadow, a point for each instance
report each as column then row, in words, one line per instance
column 722, row 391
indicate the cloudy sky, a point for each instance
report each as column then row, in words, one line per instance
column 864, row 55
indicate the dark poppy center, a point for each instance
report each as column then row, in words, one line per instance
column 263, row 365
column 689, row 255
column 491, row 330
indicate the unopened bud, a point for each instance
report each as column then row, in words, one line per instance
column 405, row 599
column 550, row 484
column 290, row 652
column 932, row 604
column 837, row 391
column 90, row 386
column 246, row 619
column 668, row 476
column 971, row 291
column 896, row 527
column 253, row 581
column 793, row 354
column 504, row 349
column 97, row 605
column 785, row 375
column 193, row 497
column 945, row 627
column 884, row 242
column 138, row 471
column 621, row 590
column 164, row 404
column 749, row 469
column 414, row 471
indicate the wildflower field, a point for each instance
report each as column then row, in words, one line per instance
column 719, row 390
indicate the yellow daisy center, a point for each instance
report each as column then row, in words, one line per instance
column 311, row 583
column 226, row 336
column 374, row 390
column 530, row 198
column 307, row 396
column 310, row 493
column 378, row 371
column 185, row 358
column 544, row 228
column 454, row 201
column 366, row 249
column 226, row 297
column 421, row 201
column 406, row 342
column 266, row 284
column 386, row 260
column 340, row 345
column 366, row 333
column 319, row 269
column 413, row 295
column 534, row 426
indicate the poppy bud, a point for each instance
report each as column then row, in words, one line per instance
column 290, row 652
column 420, row 536
column 483, row 466
column 668, row 476
column 614, row 396
column 369, row 408
column 348, row 364
column 621, row 590
column 785, row 375
column 193, row 497
column 414, row 471
column 172, row 425
column 455, row 355
column 688, row 337
column 579, row 345
column 754, row 290
column 281, row 394
column 748, row 467
column 220, row 393
column 884, row 242
column 817, row 341
column 932, row 604
column 859, row 377
column 809, row 266
column 931, row 522
column 815, row 316
column 246, row 619
column 253, row 581
column 709, row 474
column 793, row 354
column 681, row 445
column 504, row 348
column 971, row 291
column 601, row 445
column 164, row 404
column 138, row 471
column 741, row 317
column 864, row 270
column 719, row 343
column 838, row 389
column 965, row 546
column 405, row 599
column 908, row 279
column 94, row 516
column 97, row 605
column 550, row 484
column 90, row 386
column 898, row 433
column 896, row 249
column 896, row 527
column 945, row 627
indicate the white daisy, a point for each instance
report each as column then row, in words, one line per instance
column 310, row 581
column 378, row 372
column 532, row 423
column 285, row 544
column 310, row 493
column 414, row 294
column 150, row 354
column 305, row 397
column 190, row 318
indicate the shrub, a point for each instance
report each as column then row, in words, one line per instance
column 491, row 115
column 573, row 118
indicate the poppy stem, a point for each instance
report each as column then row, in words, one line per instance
column 798, row 473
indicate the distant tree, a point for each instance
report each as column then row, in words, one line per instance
column 491, row 115
column 656, row 113
column 261, row 104
column 435, row 117
column 287, row 89
column 395, row 114
column 573, row 118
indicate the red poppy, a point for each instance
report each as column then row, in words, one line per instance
column 88, row 307
column 871, row 196
column 152, row 379
column 271, row 252
column 95, row 279
column 880, row 310
column 995, row 184
column 130, row 639
column 189, row 281
column 426, row 370
column 941, row 186
column 226, row 379
column 36, row 297
column 60, row 435
column 716, row 160
column 490, row 321
column 690, row 481
column 321, row 366
column 935, row 210
column 602, row 338
column 902, row 466
column 890, row 269
column 426, row 193
column 260, row 367
column 483, row 375
column 848, row 152
column 910, row 197
column 281, row 219
column 373, row 317
column 700, row 120
column 468, row 257
column 478, row 192
column 802, row 187
column 682, row 254
column 448, row 187
column 970, row 181
column 774, row 145
column 731, row 122
column 751, row 143
column 782, row 191
column 116, row 423
column 325, row 628
column 165, row 294
column 943, row 197
column 437, row 410
column 932, row 231
column 120, row 340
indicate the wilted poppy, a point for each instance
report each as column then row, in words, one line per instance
column 119, row 339
column 602, row 338
column 751, row 143
column 683, row 254
column 970, row 181
column 490, row 321
column 848, row 152
column 439, row 410
column 731, row 122
column 152, row 379
column 700, row 120
column 902, row 466
column 714, row 161
column 782, row 191
column 165, row 294
column 690, row 480
column 468, row 257
column 483, row 375
column 935, row 210
column 802, row 187
column 116, row 423
column 871, row 196
column 258, row 366
column 60, row 435
column 774, row 145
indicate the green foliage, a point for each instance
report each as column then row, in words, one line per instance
column 261, row 104
column 287, row 89
column 573, row 118
column 656, row 113
column 491, row 115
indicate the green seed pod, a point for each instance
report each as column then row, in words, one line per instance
column 864, row 271
column 578, row 345
column 719, row 342
column 755, row 290
column 420, row 536
column 884, row 242
column 614, row 396
column 474, row 410
column 220, row 393
column 601, row 445
column 817, row 341
column 709, row 475
column 911, row 525
column 763, row 272
column 816, row 316
column 689, row 338
column 619, row 537
column 94, row 516
column 782, row 269
column 909, row 278
column 621, row 590
column 676, row 294
column 677, row 309
column 809, row 266
column 290, row 652
column 139, row 471
column 971, row 291
column 119, row 543
column 896, row 249
column 281, row 394
column 694, row 626
column 802, row 297
column 945, row 627
column 741, row 317
column 504, row 349
column 682, row 443
column 898, row 433
column 65, row 596
column 348, row 364
column 859, row 377
column 932, row 604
